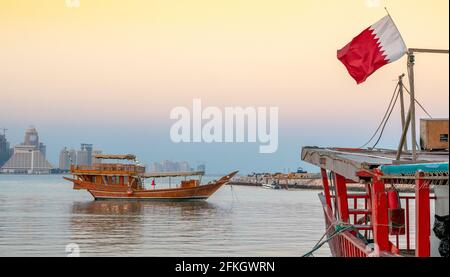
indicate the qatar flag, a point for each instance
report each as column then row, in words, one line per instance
column 375, row 47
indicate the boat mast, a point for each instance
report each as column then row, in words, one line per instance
column 411, row 118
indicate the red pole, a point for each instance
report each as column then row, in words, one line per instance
column 408, row 247
column 368, row 205
column 326, row 187
column 379, row 214
column 341, row 194
column 422, row 216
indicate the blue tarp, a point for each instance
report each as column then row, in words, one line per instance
column 410, row 169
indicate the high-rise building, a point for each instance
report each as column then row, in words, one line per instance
column 81, row 157
column 73, row 156
column 28, row 158
column 5, row 150
column 84, row 155
column 31, row 137
column 66, row 158
column 42, row 148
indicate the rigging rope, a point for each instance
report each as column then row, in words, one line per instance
column 418, row 103
column 388, row 113
column 384, row 117
column 387, row 119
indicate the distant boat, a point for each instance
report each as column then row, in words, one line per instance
column 125, row 182
column 273, row 185
column 300, row 170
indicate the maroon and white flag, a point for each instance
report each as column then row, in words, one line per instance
column 375, row 47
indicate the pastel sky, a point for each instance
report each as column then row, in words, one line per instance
column 110, row 71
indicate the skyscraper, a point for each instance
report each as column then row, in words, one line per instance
column 84, row 155
column 32, row 138
column 5, row 150
column 66, row 158
column 42, row 148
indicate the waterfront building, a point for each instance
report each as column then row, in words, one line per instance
column 27, row 159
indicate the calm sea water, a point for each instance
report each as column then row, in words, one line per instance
column 41, row 215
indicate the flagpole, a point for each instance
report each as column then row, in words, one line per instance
column 411, row 119
column 410, row 65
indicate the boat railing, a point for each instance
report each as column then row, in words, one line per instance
column 102, row 168
column 359, row 203
column 352, row 247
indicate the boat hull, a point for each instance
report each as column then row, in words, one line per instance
column 189, row 194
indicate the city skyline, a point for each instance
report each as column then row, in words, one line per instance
column 109, row 73
column 84, row 156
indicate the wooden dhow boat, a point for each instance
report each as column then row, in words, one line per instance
column 121, row 181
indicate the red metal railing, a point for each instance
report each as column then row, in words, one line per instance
column 384, row 229
column 352, row 247
column 348, row 244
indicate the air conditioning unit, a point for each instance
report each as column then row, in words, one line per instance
column 434, row 134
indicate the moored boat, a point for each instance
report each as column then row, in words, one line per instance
column 272, row 185
column 119, row 181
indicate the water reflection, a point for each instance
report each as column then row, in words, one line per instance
column 139, row 207
column 39, row 217
column 107, row 227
